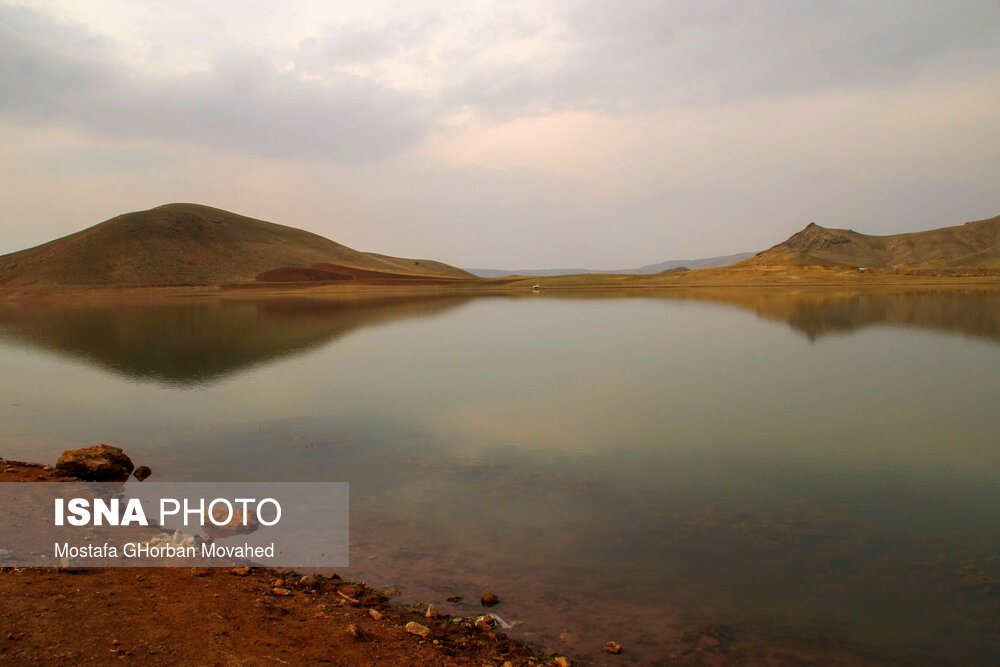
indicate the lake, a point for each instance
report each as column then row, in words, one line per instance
column 767, row 473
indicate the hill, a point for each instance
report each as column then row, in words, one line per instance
column 190, row 244
column 972, row 245
column 648, row 269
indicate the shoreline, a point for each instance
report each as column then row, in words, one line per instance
column 244, row 616
column 701, row 279
column 264, row 616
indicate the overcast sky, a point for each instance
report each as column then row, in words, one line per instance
column 504, row 135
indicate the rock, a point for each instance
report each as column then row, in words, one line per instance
column 432, row 611
column 356, row 632
column 453, row 598
column 484, row 623
column 489, row 599
column 96, row 464
column 415, row 628
column 199, row 572
column 240, row 571
column 562, row 661
column 279, row 583
column 375, row 613
column 280, row 591
column 613, row 648
column 391, row 592
column 141, row 473
column 311, row 581
column 234, row 524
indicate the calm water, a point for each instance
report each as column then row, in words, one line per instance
column 818, row 471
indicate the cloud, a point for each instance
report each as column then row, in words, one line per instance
column 646, row 55
column 370, row 87
column 58, row 75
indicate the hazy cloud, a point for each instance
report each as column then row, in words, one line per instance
column 647, row 54
column 53, row 74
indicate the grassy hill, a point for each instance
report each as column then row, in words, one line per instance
column 189, row 244
column 972, row 245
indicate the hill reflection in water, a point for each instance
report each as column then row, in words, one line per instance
column 197, row 341
column 192, row 342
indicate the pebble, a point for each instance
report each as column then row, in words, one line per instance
column 415, row 628
column 280, row 591
column 375, row 613
column 432, row 611
column 489, row 599
column 240, row 571
column 562, row 661
column 613, row 648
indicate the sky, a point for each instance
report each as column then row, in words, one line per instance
column 504, row 135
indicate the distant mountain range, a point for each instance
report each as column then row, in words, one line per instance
column 972, row 245
column 705, row 263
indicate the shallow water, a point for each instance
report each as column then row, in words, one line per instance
column 816, row 470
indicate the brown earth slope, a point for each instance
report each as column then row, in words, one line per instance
column 189, row 244
column 972, row 245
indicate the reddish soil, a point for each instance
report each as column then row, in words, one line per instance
column 332, row 273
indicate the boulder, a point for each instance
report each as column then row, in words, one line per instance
column 96, row 464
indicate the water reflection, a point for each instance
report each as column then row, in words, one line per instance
column 816, row 313
column 193, row 342
column 648, row 467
